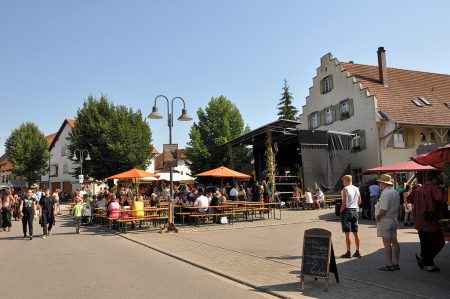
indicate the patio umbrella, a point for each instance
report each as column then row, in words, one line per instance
column 437, row 158
column 223, row 172
column 132, row 174
column 400, row 167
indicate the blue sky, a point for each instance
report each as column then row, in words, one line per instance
column 54, row 53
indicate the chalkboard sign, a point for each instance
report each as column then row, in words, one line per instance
column 318, row 256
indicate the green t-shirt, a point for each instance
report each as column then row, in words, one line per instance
column 78, row 210
column 89, row 200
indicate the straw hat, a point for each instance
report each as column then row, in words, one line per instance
column 385, row 178
column 217, row 194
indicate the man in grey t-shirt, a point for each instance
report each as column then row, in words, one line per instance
column 386, row 217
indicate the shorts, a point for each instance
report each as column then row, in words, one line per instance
column 349, row 221
column 387, row 228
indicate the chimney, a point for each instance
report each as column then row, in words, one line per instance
column 382, row 69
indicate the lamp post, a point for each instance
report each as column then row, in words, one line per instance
column 82, row 157
column 170, row 226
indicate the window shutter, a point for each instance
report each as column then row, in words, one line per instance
column 351, row 111
column 331, row 81
column 321, row 117
column 410, row 138
column 309, row 122
column 362, row 139
column 321, row 86
column 335, row 112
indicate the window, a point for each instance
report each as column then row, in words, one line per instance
column 423, row 99
column 63, row 150
column 344, row 109
column 358, row 141
column 423, row 138
column 314, row 120
column 357, row 176
column 399, row 139
column 65, row 168
column 417, row 103
column 326, row 85
column 329, row 115
column 54, row 170
column 447, row 105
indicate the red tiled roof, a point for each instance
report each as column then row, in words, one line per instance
column 71, row 122
column 6, row 166
column 155, row 151
column 404, row 86
column 50, row 138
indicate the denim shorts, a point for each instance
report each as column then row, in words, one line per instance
column 349, row 221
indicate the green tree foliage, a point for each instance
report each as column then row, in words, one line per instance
column 117, row 138
column 219, row 123
column 27, row 150
column 285, row 108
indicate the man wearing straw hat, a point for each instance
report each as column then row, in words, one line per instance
column 386, row 217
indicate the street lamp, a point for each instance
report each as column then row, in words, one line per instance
column 170, row 227
column 82, row 157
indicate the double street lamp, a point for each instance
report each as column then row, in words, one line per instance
column 82, row 155
column 170, row 227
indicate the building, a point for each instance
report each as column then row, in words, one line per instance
column 390, row 111
column 60, row 163
column 181, row 172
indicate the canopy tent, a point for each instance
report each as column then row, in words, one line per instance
column 405, row 166
column 437, row 158
column 224, row 172
column 132, row 174
column 165, row 176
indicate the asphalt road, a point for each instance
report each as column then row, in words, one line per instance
column 100, row 265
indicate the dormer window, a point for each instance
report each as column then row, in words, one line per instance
column 417, row 103
column 425, row 101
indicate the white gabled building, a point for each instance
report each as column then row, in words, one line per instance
column 60, row 163
column 390, row 111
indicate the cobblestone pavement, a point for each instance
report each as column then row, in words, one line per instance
column 266, row 254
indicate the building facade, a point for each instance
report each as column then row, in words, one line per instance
column 390, row 111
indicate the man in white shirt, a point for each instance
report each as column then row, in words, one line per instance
column 351, row 199
column 201, row 202
column 386, row 216
column 233, row 193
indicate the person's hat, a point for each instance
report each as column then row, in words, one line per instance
column 217, row 194
column 385, row 178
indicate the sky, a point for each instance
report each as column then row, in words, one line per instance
column 55, row 53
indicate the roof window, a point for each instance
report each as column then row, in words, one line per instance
column 423, row 99
column 418, row 104
column 447, row 104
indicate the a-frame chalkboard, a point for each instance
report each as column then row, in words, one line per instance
column 318, row 256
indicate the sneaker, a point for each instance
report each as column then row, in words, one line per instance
column 31, row 237
column 356, row 254
column 346, row 255
column 49, row 234
column 44, row 237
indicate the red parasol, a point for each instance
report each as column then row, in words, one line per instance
column 437, row 158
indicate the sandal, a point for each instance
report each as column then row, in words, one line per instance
column 386, row 268
column 396, row 267
column 419, row 261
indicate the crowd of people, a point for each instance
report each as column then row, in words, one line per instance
column 421, row 205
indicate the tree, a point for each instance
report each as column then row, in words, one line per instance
column 219, row 123
column 116, row 137
column 285, row 107
column 27, row 150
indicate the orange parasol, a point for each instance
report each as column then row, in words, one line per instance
column 224, row 172
column 132, row 174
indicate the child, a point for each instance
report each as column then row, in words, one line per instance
column 77, row 213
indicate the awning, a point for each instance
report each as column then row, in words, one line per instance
column 437, row 158
column 405, row 166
